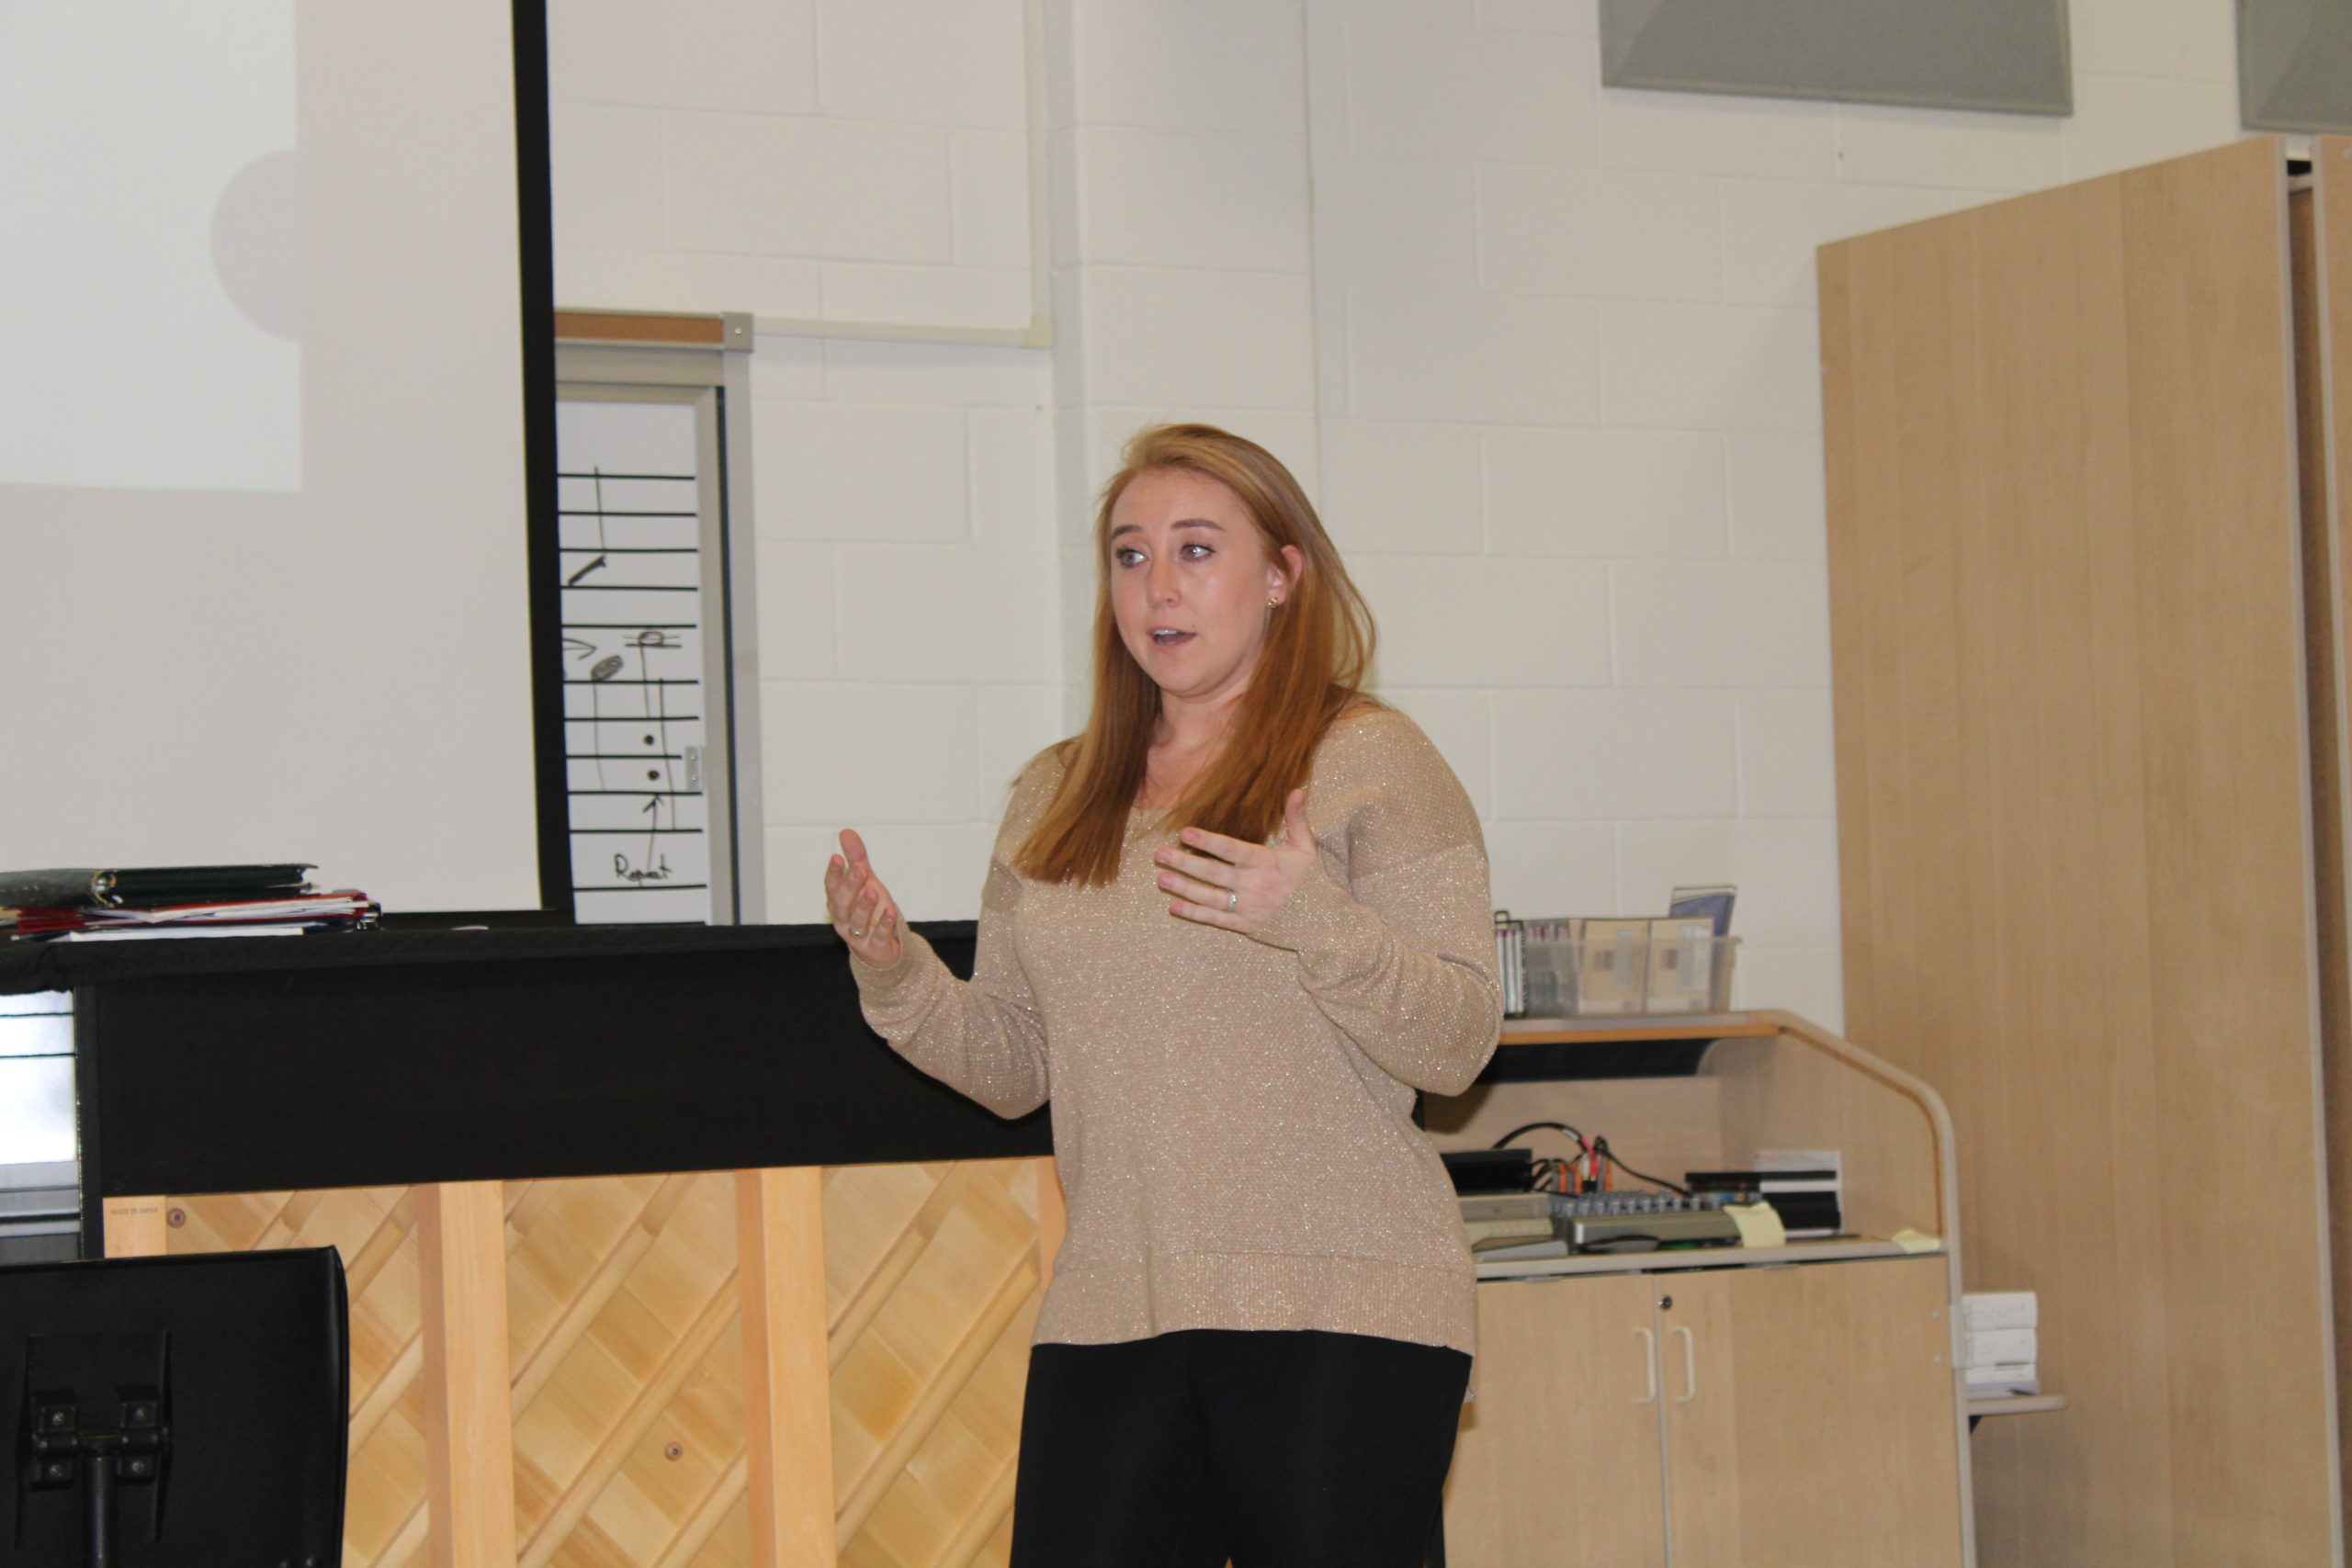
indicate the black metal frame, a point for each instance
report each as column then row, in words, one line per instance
column 534, row 230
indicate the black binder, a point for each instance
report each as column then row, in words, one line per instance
column 142, row 887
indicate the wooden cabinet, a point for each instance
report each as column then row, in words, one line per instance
column 1798, row 1416
column 1792, row 1407
column 1809, row 1417
column 1558, row 1461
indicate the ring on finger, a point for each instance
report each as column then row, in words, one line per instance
column 1232, row 900
column 857, row 930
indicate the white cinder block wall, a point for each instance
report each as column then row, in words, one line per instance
column 1180, row 246
column 1569, row 384
column 1547, row 352
column 796, row 159
column 906, row 619
column 842, row 161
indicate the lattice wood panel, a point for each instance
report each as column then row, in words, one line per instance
column 384, row 1516
column 932, row 1277
column 624, row 1322
column 628, row 1380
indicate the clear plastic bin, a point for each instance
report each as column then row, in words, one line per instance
column 1624, row 973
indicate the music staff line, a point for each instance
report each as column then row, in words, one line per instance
column 646, row 643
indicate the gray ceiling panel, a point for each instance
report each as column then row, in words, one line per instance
column 2295, row 64
column 2007, row 55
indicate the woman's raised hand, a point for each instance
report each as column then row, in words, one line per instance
column 864, row 915
column 1224, row 882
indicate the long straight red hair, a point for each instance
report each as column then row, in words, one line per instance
column 1311, row 670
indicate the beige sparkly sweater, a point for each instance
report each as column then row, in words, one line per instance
column 1233, row 1114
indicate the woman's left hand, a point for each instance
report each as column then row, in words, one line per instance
column 1224, row 882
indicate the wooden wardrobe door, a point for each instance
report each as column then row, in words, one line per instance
column 2321, row 227
column 2074, row 831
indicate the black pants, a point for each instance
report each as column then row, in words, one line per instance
column 1282, row 1450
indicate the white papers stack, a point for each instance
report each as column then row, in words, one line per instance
column 2000, row 1330
column 157, row 933
column 250, row 911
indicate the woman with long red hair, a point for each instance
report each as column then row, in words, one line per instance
column 1229, row 930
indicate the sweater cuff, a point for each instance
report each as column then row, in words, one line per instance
column 890, row 991
column 1319, row 917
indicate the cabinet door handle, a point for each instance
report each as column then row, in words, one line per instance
column 1649, row 1364
column 1689, row 1366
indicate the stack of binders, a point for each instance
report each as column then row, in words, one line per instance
column 2000, row 1326
column 88, row 903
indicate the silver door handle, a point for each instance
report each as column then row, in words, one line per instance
column 1649, row 1363
column 1689, row 1366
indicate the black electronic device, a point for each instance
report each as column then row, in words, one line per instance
column 1807, row 1201
column 175, row 1410
column 1491, row 1170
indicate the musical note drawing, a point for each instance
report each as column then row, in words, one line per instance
column 648, row 642
column 632, row 618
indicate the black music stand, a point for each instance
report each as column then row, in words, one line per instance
column 177, row 1410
